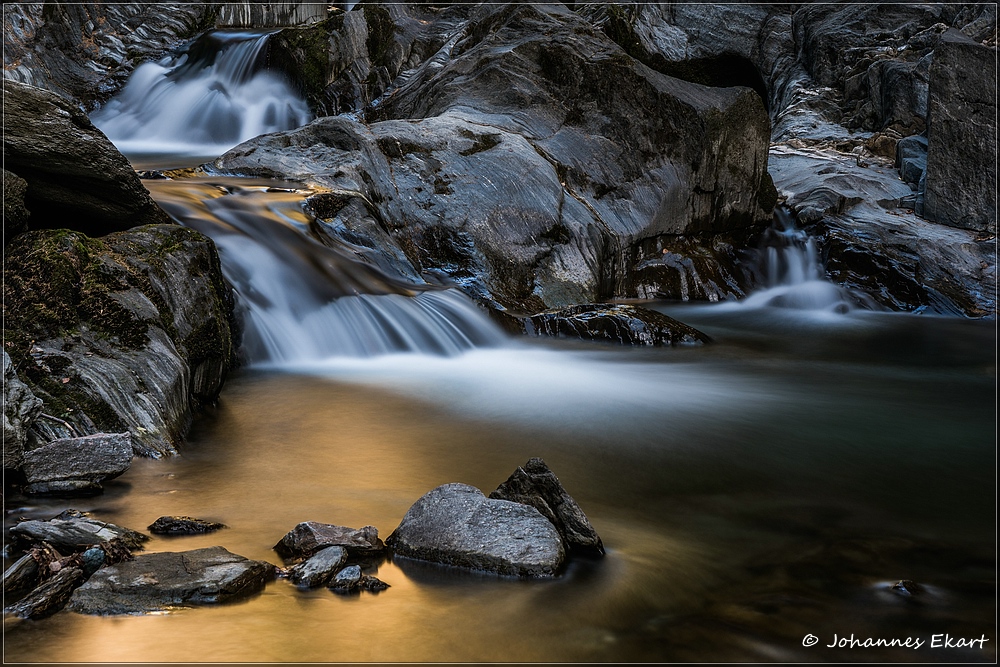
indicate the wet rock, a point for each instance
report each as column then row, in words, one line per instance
column 310, row 536
column 21, row 576
column 961, row 149
column 276, row 15
column 906, row 587
column 92, row 559
column 15, row 214
column 536, row 485
column 183, row 525
column 91, row 459
column 455, row 524
column 76, row 178
column 49, row 597
column 86, row 51
column 617, row 323
column 64, row 488
column 20, row 409
column 373, row 584
column 71, row 531
column 319, row 568
column 347, row 580
column 130, row 332
column 153, row 582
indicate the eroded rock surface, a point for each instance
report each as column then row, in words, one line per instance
column 154, row 582
column 92, row 459
column 20, row 409
column 455, row 524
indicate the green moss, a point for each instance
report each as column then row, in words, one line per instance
column 208, row 341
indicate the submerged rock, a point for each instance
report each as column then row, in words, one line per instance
column 154, row 582
column 455, row 524
column 88, row 460
column 49, row 597
column 623, row 324
column 319, row 568
column 72, row 531
column 182, row 525
column 310, row 536
column 536, row 485
column 130, row 332
column 75, row 176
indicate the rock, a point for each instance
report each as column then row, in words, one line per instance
column 519, row 162
column 455, row 524
column 21, row 576
column 15, row 214
column 159, row 581
column 373, row 584
column 182, row 525
column 91, row 560
column 93, row 458
column 20, row 408
column 907, row 588
column 49, row 597
column 65, row 488
column 347, row 579
column 130, row 332
column 616, row 323
column 536, row 485
column 310, row 536
column 276, row 15
column 86, row 51
column 961, row 147
column 911, row 159
column 76, row 177
column 319, row 568
column 71, row 530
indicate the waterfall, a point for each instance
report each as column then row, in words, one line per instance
column 203, row 100
column 305, row 301
column 795, row 276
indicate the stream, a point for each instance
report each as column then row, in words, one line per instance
column 771, row 485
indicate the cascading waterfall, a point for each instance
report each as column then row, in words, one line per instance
column 202, row 101
column 794, row 273
column 301, row 299
column 304, row 301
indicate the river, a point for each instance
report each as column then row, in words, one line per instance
column 771, row 485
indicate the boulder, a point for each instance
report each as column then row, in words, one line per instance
column 962, row 138
column 455, row 524
column 160, row 581
column 911, row 159
column 319, row 568
column 347, row 579
column 72, row 531
column 310, row 536
column 131, row 332
column 20, row 408
column 614, row 323
column 49, row 597
column 76, row 177
column 534, row 163
column 15, row 214
column 536, row 485
column 93, row 458
column 182, row 525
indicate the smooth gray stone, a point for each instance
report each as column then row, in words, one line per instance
column 153, row 582
column 455, row 524
column 92, row 458
column 347, row 579
column 74, row 532
column 319, row 568
column 310, row 536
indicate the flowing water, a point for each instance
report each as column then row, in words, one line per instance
column 769, row 486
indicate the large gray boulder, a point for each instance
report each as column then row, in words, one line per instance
column 131, row 332
column 455, row 524
column 71, row 531
column 20, row 408
column 93, row 458
column 536, row 164
column 159, row 581
column 536, row 485
column 76, row 177
column 961, row 184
